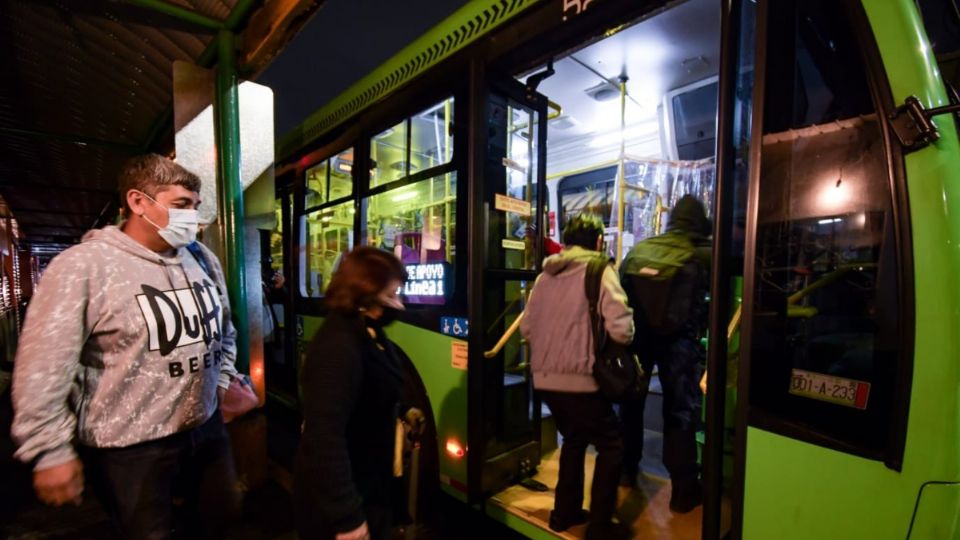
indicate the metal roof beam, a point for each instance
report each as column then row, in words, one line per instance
column 164, row 123
column 180, row 13
column 75, row 139
column 19, row 211
column 16, row 185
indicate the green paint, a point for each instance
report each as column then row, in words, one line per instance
column 446, row 388
column 937, row 515
column 518, row 523
column 796, row 490
column 457, row 31
column 231, row 191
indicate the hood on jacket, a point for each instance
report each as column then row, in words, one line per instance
column 689, row 215
column 573, row 256
column 112, row 235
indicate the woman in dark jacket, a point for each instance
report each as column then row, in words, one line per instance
column 351, row 392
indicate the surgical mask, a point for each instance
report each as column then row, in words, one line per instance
column 391, row 306
column 182, row 225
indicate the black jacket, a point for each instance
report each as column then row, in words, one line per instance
column 351, row 389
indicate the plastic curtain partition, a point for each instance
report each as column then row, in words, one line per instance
column 653, row 186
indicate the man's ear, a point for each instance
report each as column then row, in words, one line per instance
column 599, row 243
column 136, row 201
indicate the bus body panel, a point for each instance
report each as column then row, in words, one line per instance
column 798, row 490
column 432, row 355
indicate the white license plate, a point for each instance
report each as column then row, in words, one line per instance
column 838, row 390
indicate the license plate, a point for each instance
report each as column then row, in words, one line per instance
column 837, row 390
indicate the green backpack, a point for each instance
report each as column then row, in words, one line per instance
column 662, row 278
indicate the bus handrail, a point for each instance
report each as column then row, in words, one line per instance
column 504, row 338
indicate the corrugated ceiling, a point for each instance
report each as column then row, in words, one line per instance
column 85, row 83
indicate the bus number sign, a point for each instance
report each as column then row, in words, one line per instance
column 836, row 390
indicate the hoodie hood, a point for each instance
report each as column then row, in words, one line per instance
column 570, row 257
column 689, row 216
column 112, row 235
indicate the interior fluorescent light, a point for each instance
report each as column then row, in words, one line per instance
column 632, row 132
column 405, row 196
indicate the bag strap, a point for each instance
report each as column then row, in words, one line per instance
column 593, row 279
column 197, row 252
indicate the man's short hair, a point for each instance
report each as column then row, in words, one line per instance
column 583, row 230
column 151, row 173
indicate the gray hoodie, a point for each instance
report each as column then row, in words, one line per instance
column 121, row 345
column 556, row 322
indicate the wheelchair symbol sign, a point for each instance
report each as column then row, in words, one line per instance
column 455, row 326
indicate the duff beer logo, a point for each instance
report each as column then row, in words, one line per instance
column 182, row 317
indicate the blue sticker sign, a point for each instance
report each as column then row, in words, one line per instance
column 455, row 326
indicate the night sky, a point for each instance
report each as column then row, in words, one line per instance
column 344, row 41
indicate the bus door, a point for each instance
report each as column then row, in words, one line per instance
column 508, row 193
column 278, row 353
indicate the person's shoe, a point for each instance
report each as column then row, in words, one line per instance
column 628, row 479
column 560, row 524
column 598, row 530
column 685, row 500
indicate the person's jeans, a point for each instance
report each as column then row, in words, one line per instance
column 679, row 364
column 585, row 419
column 137, row 484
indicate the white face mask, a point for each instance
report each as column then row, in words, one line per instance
column 182, row 225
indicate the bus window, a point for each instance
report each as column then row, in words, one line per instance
column 315, row 193
column 329, row 180
column 417, row 223
column 825, row 324
column 327, row 235
column 417, row 144
column 388, row 152
column 341, row 176
column 431, row 138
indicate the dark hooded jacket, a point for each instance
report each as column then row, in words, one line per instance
column 688, row 228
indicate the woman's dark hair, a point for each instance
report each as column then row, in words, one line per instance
column 583, row 230
column 362, row 275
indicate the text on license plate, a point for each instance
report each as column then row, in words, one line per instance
column 838, row 390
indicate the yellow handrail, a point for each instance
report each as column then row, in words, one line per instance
column 504, row 338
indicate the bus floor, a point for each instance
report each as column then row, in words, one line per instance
column 645, row 507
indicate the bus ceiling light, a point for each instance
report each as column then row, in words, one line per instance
column 454, row 448
column 633, row 132
column 406, row 196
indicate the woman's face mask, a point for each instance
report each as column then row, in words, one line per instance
column 390, row 303
column 182, row 225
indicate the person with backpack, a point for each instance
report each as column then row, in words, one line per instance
column 557, row 324
column 666, row 278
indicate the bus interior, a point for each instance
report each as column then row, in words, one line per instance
column 639, row 105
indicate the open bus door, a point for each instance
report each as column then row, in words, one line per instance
column 507, row 207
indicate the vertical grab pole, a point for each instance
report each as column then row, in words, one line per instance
column 231, row 191
column 622, row 184
column 720, row 273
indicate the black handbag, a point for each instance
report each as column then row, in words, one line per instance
column 617, row 369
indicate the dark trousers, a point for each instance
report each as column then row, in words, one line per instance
column 137, row 484
column 678, row 363
column 585, row 419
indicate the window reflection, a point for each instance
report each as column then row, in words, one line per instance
column 423, row 141
column 417, row 223
column 326, row 235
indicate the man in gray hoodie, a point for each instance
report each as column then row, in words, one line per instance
column 556, row 322
column 126, row 349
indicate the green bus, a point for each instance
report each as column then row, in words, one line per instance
column 814, row 132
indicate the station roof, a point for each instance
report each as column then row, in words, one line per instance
column 88, row 83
